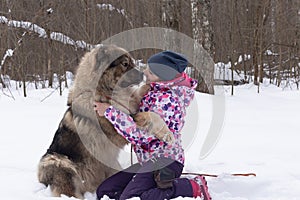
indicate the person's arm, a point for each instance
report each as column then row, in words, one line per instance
column 124, row 125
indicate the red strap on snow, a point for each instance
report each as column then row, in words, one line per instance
column 214, row 175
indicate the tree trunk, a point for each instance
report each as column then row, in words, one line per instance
column 23, row 80
column 202, row 34
column 232, row 40
column 49, row 67
column 49, row 70
column 60, row 74
column 66, row 79
column 256, row 44
column 280, row 67
column 171, row 12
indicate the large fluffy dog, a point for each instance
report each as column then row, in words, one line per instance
column 85, row 147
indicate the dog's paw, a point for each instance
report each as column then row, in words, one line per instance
column 166, row 136
column 143, row 120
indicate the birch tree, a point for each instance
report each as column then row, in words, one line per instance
column 202, row 34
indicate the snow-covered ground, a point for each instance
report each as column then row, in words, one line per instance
column 260, row 134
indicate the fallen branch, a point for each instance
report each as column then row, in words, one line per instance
column 214, row 175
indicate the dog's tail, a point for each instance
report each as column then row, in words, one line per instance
column 61, row 174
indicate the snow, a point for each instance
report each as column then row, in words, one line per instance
column 50, row 10
column 8, row 53
column 110, row 7
column 59, row 37
column 260, row 134
column 223, row 72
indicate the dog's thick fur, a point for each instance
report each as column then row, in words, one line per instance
column 85, row 147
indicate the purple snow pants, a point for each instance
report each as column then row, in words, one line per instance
column 138, row 181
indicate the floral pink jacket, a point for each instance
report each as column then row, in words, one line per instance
column 169, row 100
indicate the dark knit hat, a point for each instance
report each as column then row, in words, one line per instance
column 167, row 64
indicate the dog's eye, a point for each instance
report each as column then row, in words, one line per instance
column 125, row 64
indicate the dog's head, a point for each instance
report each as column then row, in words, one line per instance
column 120, row 71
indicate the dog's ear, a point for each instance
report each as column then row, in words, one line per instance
column 102, row 56
column 111, row 56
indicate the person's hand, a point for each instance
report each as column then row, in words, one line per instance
column 100, row 108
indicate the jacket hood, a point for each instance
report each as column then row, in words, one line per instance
column 183, row 86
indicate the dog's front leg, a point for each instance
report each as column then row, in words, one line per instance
column 155, row 125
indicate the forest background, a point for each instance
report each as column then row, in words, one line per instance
column 42, row 40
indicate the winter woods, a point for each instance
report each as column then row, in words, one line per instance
column 42, row 40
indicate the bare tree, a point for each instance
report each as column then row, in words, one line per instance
column 202, row 34
column 49, row 37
